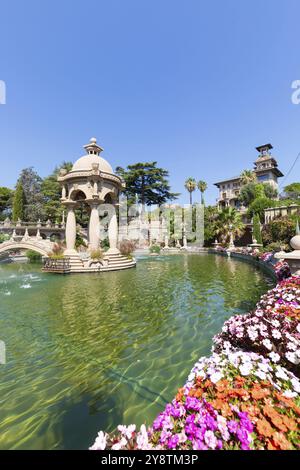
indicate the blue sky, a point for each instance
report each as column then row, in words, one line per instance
column 194, row 85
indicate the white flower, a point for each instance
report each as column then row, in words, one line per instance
column 100, row 442
column 259, row 313
column 191, row 377
column 267, row 343
column 252, row 333
column 216, row 377
column 260, row 374
column 291, row 346
column 233, row 359
column 182, row 437
column 120, row 444
column 289, row 394
column 202, row 374
column 281, row 374
column 239, row 332
column 142, row 439
column 276, row 323
column 127, row 431
column 246, row 368
column 296, row 385
column 264, row 367
column 222, row 426
column 298, row 328
column 293, row 357
column 274, row 356
column 276, row 334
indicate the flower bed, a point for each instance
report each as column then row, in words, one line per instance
column 245, row 396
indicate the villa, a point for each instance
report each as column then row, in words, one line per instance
column 266, row 170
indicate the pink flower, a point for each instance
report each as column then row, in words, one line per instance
column 210, row 439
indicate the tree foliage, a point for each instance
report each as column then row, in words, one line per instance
column 202, row 186
column 229, row 220
column 292, row 191
column 258, row 206
column 270, row 191
column 52, row 193
column 190, row 185
column 210, row 224
column 148, row 182
column 248, row 176
column 6, row 197
column 251, row 191
column 33, row 197
column 18, row 209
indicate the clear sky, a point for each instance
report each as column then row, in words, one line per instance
column 195, row 85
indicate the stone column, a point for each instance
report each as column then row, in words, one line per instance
column 184, row 241
column 94, row 227
column 70, row 229
column 63, row 192
column 113, row 234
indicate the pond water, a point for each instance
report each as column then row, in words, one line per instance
column 87, row 352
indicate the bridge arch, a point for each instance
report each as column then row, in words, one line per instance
column 26, row 245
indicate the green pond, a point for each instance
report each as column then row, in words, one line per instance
column 89, row 351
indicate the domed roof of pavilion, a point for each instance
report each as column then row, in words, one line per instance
column 92, row 158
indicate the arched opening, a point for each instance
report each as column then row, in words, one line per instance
column 21, row 248
column 55, row 237
column 77, row 195
column 109, row 198
column 82, row 209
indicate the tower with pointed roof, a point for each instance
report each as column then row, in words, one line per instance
column 266, row 166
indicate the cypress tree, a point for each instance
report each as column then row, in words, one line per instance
column 18, row 203
column 257, row 229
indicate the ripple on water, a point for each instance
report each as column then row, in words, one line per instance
column 87, row 352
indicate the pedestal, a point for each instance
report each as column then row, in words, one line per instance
column 293, row 258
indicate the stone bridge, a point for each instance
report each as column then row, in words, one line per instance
column 43, row 247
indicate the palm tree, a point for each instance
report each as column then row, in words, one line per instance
column 229, row 221
column 190, row 185
column 248, row 176
column 202, row 186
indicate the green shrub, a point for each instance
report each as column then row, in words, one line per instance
column 96, row 254
column 105, row 244
column 154, row 249
column 3, row 237
column 56, row 256
column 33, row 256
column 277, row 246
column 79, row 241
column 279, row 231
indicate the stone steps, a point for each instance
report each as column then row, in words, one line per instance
column 115, row 262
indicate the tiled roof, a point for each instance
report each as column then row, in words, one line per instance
column 234, row 178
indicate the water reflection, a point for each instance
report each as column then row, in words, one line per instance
column 87, row 352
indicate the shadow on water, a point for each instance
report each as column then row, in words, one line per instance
column 138, row 389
